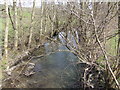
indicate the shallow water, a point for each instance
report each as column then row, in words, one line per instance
column 56, row 70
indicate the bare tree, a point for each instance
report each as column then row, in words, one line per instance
column 20, row 25
column 42, row 17
column 93, row 21
column 6, row 30
column 15, row 23
column 31, row 27
column 85, row 28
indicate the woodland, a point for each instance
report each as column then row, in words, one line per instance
column 79, row 40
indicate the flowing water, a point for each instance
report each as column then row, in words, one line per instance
column 55, row 70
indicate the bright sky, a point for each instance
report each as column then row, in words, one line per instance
column 28, row 3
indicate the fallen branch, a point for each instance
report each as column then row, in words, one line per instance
column 26, row 56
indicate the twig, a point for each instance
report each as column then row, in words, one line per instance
column 104, row 53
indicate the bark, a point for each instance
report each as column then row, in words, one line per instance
column 15, row 23
column 42, row 12
column 45, row 17
column 52, row 20
column 6, row 30
column 31, row 27
column 20, row 25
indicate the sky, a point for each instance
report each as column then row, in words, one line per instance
column 28, row 3
column 25, row 3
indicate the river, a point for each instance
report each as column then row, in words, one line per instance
column 55, row 70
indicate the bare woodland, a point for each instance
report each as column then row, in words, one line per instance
column 89, row 31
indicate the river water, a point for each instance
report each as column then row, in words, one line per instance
column 55, row 70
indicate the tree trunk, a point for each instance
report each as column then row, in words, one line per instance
column 31, row 27
column 20, row 25
column 6, row 30
column 42, row 12
column 15, row 24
